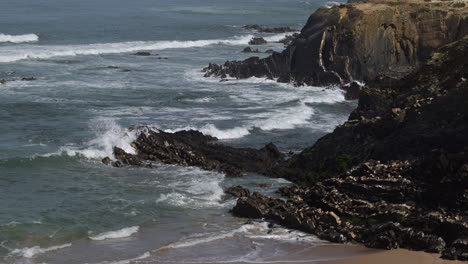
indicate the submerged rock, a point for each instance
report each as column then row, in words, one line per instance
column 250, row 50
column 142, row 53
column 262, row 29
column 29, row 79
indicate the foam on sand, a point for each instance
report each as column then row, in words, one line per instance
column 124, row 232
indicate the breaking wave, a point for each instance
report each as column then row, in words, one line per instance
column 8, row 54
column 124, row 232
column 18, row 38
column 33, row 251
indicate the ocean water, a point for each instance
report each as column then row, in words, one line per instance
column 60, row 204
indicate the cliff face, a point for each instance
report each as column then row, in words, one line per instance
column 409, row 189
column 422, row 118
column 359, row 41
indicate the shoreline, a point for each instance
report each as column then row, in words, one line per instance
column 400, row 256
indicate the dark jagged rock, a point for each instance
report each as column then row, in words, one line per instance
column 106, row 160
column 359, row 41
column 142, row 53
column 29, row 79
column 382, row 205
column 262, row 29
column 257, row 41
column 237, row 191
column 395, row 175
column 250, row 50
column 423, row 116
column 192, row 148
column 458, row 250
column 289, row 39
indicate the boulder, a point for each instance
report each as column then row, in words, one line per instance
column 257, row 41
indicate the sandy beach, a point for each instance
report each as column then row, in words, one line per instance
column 400, row 256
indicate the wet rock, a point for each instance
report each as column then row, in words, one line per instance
column 458, row 250
column 113, row 67
column 289, row 39
column 142, row 53
column 251, row 207
column 262, row 29
column 106, row 160
column 126, row 70
column 249, row 50
column 257, row 41
column 117, row 164
column 29, row 79
column 192, row 148
column 237, row 191
column 352, row 90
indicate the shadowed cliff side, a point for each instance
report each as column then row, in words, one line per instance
column 395, row 175
column 358, row 41
column 421, row 116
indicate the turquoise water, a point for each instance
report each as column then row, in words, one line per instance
column 59, row 204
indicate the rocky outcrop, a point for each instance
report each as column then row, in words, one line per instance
column 192, row 148
column 359, row 41
column 422, row 116
column 262, row 29
column 26, row 79
column 382, row 205
column 395, row 175
column 257, row 41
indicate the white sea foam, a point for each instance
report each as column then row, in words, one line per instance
column 108, row 135
column 278, row 37
column 189, row 191
column 128, row 261
column 32, row 251
column 256, row 230
column 18, row 38
column 274, row 118
column 9, row 54
column 124, row 232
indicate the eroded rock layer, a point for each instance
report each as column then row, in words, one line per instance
column 358, row 41
column 192, row 148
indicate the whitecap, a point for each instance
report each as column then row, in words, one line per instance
column 9, row 54
column 278, row 37
column 29, row 252
column 18, row 38
column 124, row 232
column 108, row 135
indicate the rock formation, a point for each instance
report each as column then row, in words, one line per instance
column 359, row 41
column 192, row 148
column 262, row 29
column 395, row 175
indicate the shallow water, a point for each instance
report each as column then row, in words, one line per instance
column 60, row 204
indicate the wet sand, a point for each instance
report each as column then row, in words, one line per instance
column 398, row 256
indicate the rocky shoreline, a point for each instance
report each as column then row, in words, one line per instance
column 395, row 175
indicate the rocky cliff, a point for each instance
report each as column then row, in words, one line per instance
column 395, row 174
column 359, row 41
column 423, row 115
